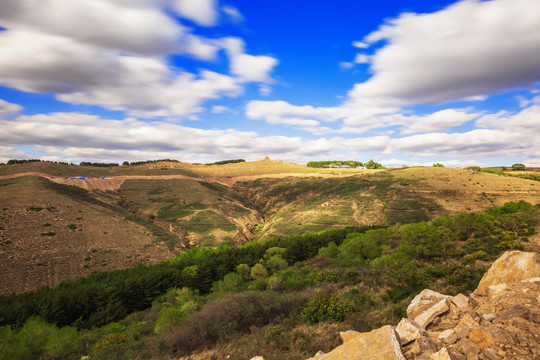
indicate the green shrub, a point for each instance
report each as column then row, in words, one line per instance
column 258, row 271
column 63, row 343
column 233, row 279
column 276, row 263
column 327, row 307
column 35, row 334
column 108, row 341
column 373, row 165
column 168, row 318
column 329, row 252
column 324, row 276
column 244, row 271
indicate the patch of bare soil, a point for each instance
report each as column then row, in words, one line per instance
column 47, row 238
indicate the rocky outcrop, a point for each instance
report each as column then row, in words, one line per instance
column 511, row 267
column 500, row 320
column 378, row 344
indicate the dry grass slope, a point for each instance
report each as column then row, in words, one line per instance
column 153, row 211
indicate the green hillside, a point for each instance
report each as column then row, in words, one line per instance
column 281, row 298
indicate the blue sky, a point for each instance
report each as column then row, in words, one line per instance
column 400, row 82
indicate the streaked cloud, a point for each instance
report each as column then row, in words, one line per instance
column 470, row 48
column 232, row 13
column 114, row 54
column 203, row 12
column 8, row 109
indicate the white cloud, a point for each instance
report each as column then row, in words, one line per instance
column 218, row 109
column 265, row 89
column 362, row 59
column 62, row 65
column 438, row 121
column 524, row 102
column 114, row 54
column 232, row 13
column 203, row 12
column 360, row 44
column 346, row 65
column 8, row 109
column 356, row 120
column 77, row 137
column 139, row 27
column 532, row 162
column 146, row 92
column 470, row 48
column 475, row 143
column 248, row 67
column 8, row 153
column 361, row 145
column 527, row 121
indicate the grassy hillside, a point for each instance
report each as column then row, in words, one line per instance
column 198, row 213
column 299, row 204
column 149, row 219
column 283, row 298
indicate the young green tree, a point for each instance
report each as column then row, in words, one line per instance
column 259, row 271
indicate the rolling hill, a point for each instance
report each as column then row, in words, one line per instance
column 53, row 228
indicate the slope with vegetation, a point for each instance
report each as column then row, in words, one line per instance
column 281, row 298
column 148, row 212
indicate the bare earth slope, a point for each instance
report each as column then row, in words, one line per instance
column 48, row 235
column 144, row 214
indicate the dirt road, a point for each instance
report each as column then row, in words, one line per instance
column 114, row 183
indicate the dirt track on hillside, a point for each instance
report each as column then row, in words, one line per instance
column 113, row 183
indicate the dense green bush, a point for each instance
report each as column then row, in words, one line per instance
column 39, row 340
column 327, row 307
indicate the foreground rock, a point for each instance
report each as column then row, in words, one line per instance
column 511, row 267
column 378, row 344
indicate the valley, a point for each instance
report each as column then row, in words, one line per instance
column 53, row 228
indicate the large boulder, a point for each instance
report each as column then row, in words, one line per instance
column 511, row 267
column 379, row 344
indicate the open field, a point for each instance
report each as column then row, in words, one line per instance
column 53, row 228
